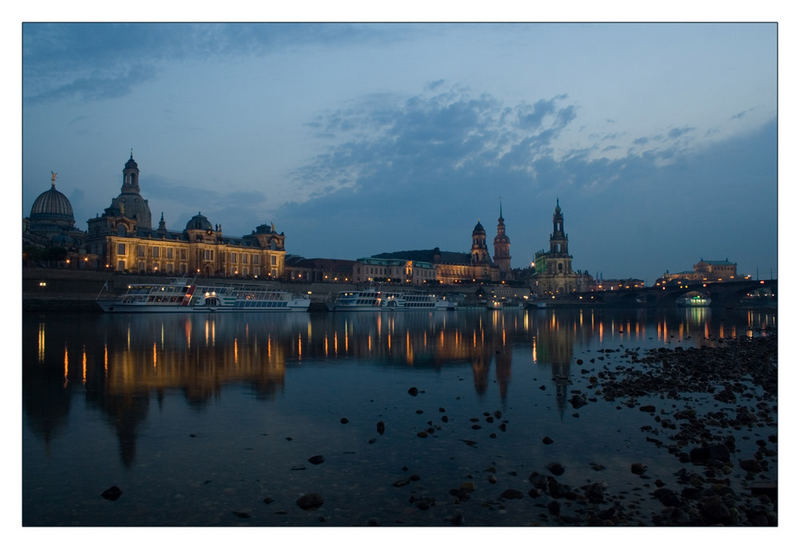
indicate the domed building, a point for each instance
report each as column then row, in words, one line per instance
column 124, row 237
column 51, row 222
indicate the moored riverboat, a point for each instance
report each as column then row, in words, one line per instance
column 180, row 295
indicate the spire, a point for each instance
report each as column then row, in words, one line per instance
column 501, row 207
column 53, row 179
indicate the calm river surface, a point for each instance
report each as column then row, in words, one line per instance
column 210, row 419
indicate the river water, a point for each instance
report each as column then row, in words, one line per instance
column 210, row 419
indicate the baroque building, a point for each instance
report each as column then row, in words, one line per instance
column 553, row 269
column 502, row 247
column 51, row 221
column 124, row 240
column 434, row 265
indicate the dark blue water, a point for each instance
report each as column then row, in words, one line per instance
column 198, row 418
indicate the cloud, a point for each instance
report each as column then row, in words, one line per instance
column 675, row 133
column 91, row 61
column 418, row 173
column 98, row 86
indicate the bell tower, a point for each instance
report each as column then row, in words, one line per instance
column 479, row 255
column 130, row 176
column 558, row 260
column 502, row 246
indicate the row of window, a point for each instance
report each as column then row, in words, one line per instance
column 207, row 255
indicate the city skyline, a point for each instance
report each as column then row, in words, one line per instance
column 420, row 132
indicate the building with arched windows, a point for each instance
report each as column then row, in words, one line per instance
column 553, row 272
column 124, row 240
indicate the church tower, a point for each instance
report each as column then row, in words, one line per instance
column 479, row 255
column 130, row 176
column 502, row 246
column 559, row 261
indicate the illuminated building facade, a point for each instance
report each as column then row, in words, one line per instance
column 705, row 270
column 125, row 241
column 419, row 266
column 553, row 269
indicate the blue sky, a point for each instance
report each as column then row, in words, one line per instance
column 660, row 140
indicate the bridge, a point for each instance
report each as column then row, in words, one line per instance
column 722, row 294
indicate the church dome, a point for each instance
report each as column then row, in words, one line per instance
column 131, row 163
column 198, row 222
column 52, row 205
column 478, row 229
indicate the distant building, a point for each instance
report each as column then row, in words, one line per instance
column 124, row 240
column 318, row 269
column 51, row 222
column 611, row 284
column 705, row 271
column 434, row 265
column 553, row 272
column 502, row 248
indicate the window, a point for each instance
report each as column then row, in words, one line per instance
column 233, row 258
column 244, row 259
column 140, row 251
column 141, row 266
column 208, row 255
column 183, row 268
column 274, row 260
column 121, row 265
column 169, row 253
column 155, row 252
column 120, row 249
column 183, row 253
column 170, row 268
column 255, row 260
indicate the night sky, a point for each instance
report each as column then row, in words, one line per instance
column 659, row 140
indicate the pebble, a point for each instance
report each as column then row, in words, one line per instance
column 112, row 494
column 316, row 460
column 381, row 427
column 310, row 501
column 413, row 391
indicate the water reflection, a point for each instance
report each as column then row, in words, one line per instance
column 119, row 362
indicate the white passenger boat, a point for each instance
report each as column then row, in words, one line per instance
column 694, row 301
column 410, row 300
column 494, row 304
column 444, row 305
column 358, row 300
column 179, row 295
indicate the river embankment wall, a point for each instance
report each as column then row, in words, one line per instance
column 77, row 290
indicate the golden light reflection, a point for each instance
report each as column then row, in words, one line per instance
column 299, row 346
column 534, row 349
column 309, row 331
column 600, row 332
column 213, row 333
column 83, row 361
column 162, row 336
column 66, row 366
column 335, row 343
column 155, row 355
column 235, row 351
column 705, row 331
column 369, row 343
column 206, row 333
column 105, row 357
column 390, row 340
column 269, row 346
column 680, row 332
column 187, row 329
column 346, row 341
column 325, row 346
column 41, row 342
column 721, row 331
column 733, row 331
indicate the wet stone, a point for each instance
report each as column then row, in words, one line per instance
column 316, row 460
column 242, row 514
column 112, row 494
column 511, row 494
column 413, row 391
column 344, row 420
column 638, row 468
column 381, row 427
column 309, row 501
column 547, row 440
column 556, row 468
